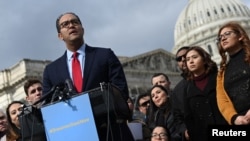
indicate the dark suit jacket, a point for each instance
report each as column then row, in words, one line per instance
column 101, row 65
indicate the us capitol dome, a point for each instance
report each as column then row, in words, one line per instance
column 199, row 23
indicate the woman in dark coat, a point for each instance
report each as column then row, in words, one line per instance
column 200, row 104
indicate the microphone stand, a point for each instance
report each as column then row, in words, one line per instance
column 63, row 92
column 56, row 93
column 45, row 96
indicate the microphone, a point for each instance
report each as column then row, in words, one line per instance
column 69, row 85
column 21, row 111
column 25, row 110
column 60, row 86
column 59, row 90
column 45, row 96
column 49, row 94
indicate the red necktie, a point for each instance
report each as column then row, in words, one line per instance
column 77, row 73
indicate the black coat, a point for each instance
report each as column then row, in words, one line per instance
column 164, row 117
column 201, row 109
column 177, row 99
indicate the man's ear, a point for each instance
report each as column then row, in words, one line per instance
column 60, row 36
column 27, row 99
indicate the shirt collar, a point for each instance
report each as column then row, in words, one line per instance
column 81, row 51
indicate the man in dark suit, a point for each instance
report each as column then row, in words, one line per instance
column 97, row 65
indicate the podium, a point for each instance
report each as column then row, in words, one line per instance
column 80, row 116
column 107, row 100
column 70, row 120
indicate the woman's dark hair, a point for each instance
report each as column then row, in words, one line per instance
column 13, row 132
column 210, row 65
column 153, row 108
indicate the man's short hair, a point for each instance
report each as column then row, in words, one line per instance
column 58, row 28
column 29, row 83
column 158, row 74
column 182, row 48
column 140, row 97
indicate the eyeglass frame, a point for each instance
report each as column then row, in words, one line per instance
column 225, row 35
column 145, row 103
column 179, row 58
column 161, row 135
column 66, row 24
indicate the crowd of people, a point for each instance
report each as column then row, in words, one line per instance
column 207, row 95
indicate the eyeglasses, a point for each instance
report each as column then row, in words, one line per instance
column 179, row 58
column 66, row 24
column 224, row 35
column 161, row 135
column 145, row 104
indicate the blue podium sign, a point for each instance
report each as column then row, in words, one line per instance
column 70, row 120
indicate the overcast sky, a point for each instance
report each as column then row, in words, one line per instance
column 128, row 27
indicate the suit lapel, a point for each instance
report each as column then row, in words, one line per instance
column 63, row 67
column 89, row 59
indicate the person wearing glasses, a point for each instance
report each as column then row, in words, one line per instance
column 160, row 111
column 87, row 67
column 3, row 125
column 233, row 87
column 200, row 105
column 160, row 133
column 178, row 94
column 143, row 103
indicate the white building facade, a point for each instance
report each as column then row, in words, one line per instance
column 199, row 23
